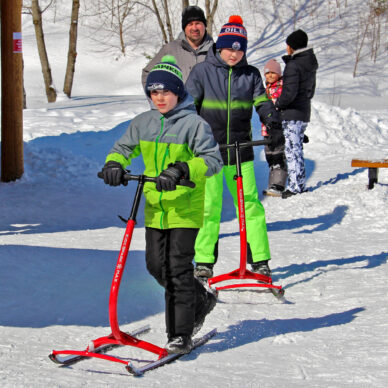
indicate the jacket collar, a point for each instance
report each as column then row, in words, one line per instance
column 286, row 58
column 296, row 52
column 204, row 46
column 213, row 56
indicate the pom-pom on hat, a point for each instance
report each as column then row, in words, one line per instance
column 233, row 35
column 166, row 75
column 192, row 13
column 297, row 39
column 272, row 66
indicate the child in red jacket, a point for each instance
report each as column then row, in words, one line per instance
column 275, row 156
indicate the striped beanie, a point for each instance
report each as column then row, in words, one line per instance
column 166, row 75
column 233, row 35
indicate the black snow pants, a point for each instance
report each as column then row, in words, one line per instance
column 169, row 257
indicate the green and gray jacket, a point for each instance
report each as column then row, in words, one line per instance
column 224, row 97
column 180, row 135
column 186, row 57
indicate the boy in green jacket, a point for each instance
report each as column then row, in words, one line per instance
column 175, row 143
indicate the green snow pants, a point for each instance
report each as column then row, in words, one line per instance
column 254, row 213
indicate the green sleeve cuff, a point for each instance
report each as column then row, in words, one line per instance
column 115, row 157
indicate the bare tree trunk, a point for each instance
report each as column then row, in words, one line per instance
column 48, row 81
column 160, row 21
column 12, row 164
column 24, row 90
column 360, row 44
column 185, row 4
column 168, row 22
column 72, row 53
column 210, row 12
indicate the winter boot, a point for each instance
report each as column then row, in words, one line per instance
column 277, row 176
column 203, row 271
column 274, row 191
column 208, row 303
column 262, row 268
column 181, row 344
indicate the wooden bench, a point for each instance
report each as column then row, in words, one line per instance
column 373, row 168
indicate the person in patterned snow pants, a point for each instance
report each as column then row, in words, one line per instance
column 294, row 105
column 293, row 148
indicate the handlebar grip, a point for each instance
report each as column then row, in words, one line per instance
column 130, row 177
column 187, row 183
column 245, row 144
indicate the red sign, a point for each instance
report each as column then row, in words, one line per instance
column 17, row 42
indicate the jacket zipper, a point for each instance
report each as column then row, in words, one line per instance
column 228, row 109
column 161, row 167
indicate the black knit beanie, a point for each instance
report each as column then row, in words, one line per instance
column 297, row 40
column 192, row 14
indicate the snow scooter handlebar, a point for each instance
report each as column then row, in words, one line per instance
column 143, row 178
column 244, row 145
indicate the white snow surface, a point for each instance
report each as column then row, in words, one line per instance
column 60, row 237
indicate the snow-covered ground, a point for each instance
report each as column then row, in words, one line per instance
column 60, row 236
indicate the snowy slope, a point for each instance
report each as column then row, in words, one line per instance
column 60, row 236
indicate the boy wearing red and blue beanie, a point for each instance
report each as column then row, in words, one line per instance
column 225, row 88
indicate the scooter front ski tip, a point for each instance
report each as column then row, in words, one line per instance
column 139, row 371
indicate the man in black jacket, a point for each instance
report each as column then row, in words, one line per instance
column 294, row 105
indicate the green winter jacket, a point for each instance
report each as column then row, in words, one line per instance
column 180, row 135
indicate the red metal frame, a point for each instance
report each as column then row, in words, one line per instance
column 242, row 273
column 118, row 337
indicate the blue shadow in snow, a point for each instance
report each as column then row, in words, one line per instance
column 66, row 205
column 93, row 145
column 250, row 331
column 53, row 286
column 319, row 267
column 337, row 178
column 322, row 223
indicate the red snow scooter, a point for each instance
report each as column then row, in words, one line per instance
column 242, row 273
column 117, row 338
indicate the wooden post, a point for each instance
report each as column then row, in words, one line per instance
column 11, row 91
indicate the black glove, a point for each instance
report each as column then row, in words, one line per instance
column 168, row 179
column 113, row 174
column 276, row 137
column 306, row 139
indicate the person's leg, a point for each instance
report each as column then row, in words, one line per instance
column 256, row 227
column 206, row 242
column 277, row 170
column 181, row 288
column 294, row 133
column 156, row 246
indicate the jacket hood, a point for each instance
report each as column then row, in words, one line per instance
column 203, row 47
column 213, row 56
column 305, row 57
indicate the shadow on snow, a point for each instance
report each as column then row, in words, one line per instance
column 250, row 331
column 51, row 286
column 319, row 267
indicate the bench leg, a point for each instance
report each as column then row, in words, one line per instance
column 372, row 175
